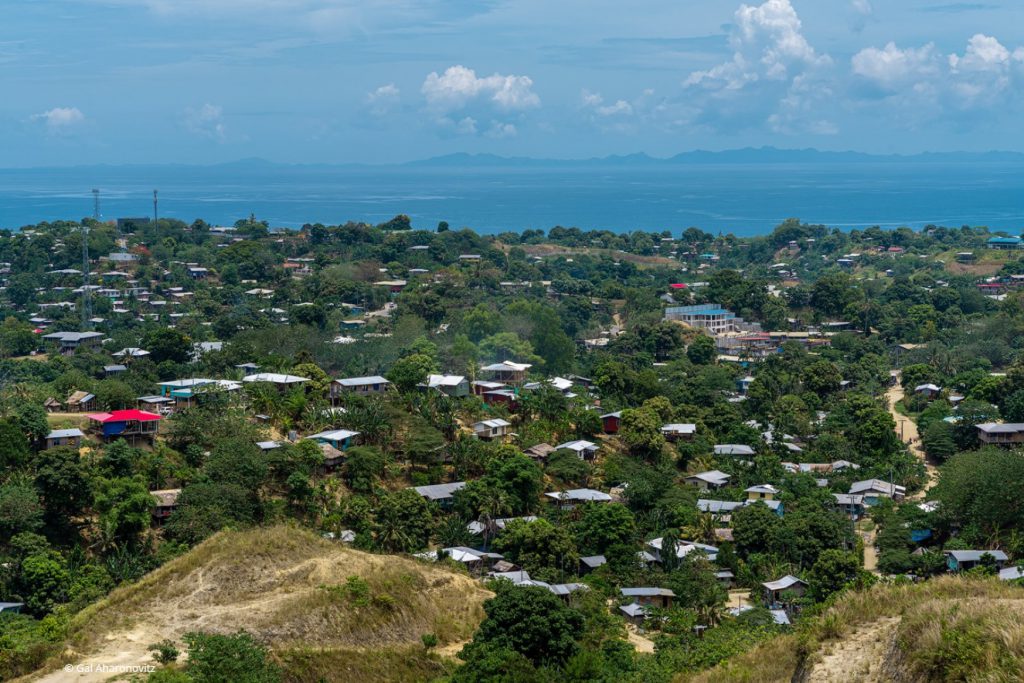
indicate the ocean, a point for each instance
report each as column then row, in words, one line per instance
column 744, row 199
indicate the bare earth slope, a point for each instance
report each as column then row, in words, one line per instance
column 289, row 588
column 947, row 629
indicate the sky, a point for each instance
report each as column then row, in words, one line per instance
column 382, row 81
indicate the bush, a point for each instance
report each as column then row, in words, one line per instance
column 165, row 652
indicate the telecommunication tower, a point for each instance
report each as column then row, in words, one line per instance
column 96, row 203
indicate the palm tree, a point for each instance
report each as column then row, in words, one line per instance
column 703, row 530
column 493, row 506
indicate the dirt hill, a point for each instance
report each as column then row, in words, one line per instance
column 325, row 610
column 948, row 629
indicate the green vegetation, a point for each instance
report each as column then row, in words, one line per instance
column 285, row 501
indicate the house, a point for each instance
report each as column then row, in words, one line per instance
column 584, row 450
column 610, row 422
column 64, row 437
column 1003, row 243
column 507, row 372
column 851, row 504
column 442, row 494
column 496, row 428
column 1011, row 574
column 762, row 492
column 734, row 449
column 874, row 489
column 166, row 503
column 197, row 272
column 649, row 597
column 156, row 404
column 589, row 564
column 341, row 439
column 1001, row 434
column 501, row 397
column 279, row 380
column 562, row 590
column 655, row 548
column 450, row 385
column 787, row 585
column 129, row 423
column 131, row 352
column 475, row 561
column 479, row 388
column 114, row 370
column 573, row 497
column 52, row 405
column 962, row 560
column 12, row 607
column 539, row 451
column 374, row 384
column 69, row 342
column 80, row 401
column 634, row 613
column 679, row 432
column 710, row 317
column 724, row 508
column 706, row 481
column 929, row 391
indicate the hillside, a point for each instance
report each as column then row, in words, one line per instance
column 293, row 591
column 948, row 629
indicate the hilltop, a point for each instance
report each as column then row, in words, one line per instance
column 301, row 595
column 947, row 629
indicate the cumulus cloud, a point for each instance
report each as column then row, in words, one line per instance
column 892, row 69
column 457, row 97
column 207, row 121
column 459, row 86
column 986, row 76
column 382, row 100
column 985, row 72
column 60, row 119
column 775, row 76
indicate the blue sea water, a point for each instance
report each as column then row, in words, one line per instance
column 739, row 198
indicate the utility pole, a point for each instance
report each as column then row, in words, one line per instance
column 86, row 292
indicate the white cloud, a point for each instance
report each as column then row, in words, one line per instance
column 986, row 76
column 459, row 87
column 383, row 99
column 595, row 102
column 207, row 121
column 775, row 76
column 891, row 68
column 60, row 119
column 985, row 72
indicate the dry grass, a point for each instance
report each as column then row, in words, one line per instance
column 949, row 624
column 973, row 639
column 287, row 587
column 390, row 665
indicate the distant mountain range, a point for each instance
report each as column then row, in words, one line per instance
column 747, row 156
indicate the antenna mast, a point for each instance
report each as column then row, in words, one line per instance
column 155, row 214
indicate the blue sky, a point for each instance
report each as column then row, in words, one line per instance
column 204, row 81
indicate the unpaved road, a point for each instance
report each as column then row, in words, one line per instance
column 906, row 429
column 858, row 658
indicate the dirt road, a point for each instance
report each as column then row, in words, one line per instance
column 906, row 429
